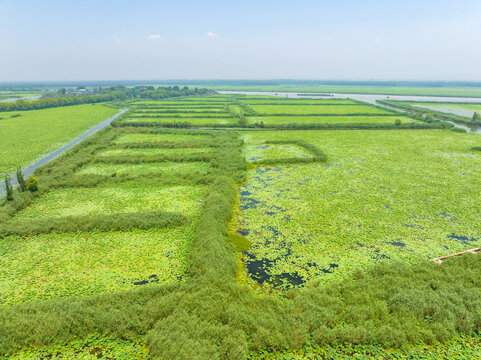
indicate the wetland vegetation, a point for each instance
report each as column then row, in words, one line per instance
column 233, row 238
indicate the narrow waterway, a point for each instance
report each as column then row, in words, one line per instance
column 23, row 98
column 371, row 99
column 465, row 113
column 50, row 156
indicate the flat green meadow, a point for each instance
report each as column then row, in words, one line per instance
column 111, row 199
column 142, row 137
column 330, row 119
column 132, row 152
column 198, row 121
column 281, row 101
column 178, row 110
column 319, row 109
column 136, row 170
column 33, row 133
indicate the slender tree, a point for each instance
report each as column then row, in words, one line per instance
column 21, row 180
column 8, row 188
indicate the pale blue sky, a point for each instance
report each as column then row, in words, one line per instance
column 180, row 39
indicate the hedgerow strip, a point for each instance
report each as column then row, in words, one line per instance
column 102, row 222
column 128, row 159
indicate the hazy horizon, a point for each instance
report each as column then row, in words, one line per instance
column 214, row 40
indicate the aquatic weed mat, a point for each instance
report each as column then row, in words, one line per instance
column 211, row 316
column 94, row 346
column 464, row 347
column 134, row 152
column 263, row 151
column 54, row 265
column 404, row 196
column 138, row 170
column 112, row 199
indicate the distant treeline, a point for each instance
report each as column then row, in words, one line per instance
column 62, row 98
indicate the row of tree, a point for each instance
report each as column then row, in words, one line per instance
column 63, row 98
column 30, row 184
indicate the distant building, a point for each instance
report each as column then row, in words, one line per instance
column 79, row 92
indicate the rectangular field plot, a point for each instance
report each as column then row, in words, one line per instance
column 320, row 109
column 204, row 106
column 329, row 119
column 141, row 137
column 217, row 98
column 281, row 101
column 273, row 151
column 60, row 265
column 191, row 120
column 170, row 102
column 186, row 200
column 383, row 196
column 135, row 152
column 185, row 115
column 177, row 109
column 136, row 170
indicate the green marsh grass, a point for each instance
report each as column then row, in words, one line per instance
column 41, row 131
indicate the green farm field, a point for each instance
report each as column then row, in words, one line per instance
column 27, row 135
column 321, row 109
column 110, row 199
column 281, row 101
column 330, row 119
column 178, row 110
column 133, row 152
column 139, row 170
column 197, row 121
column 210, row 99
column 180, row 115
